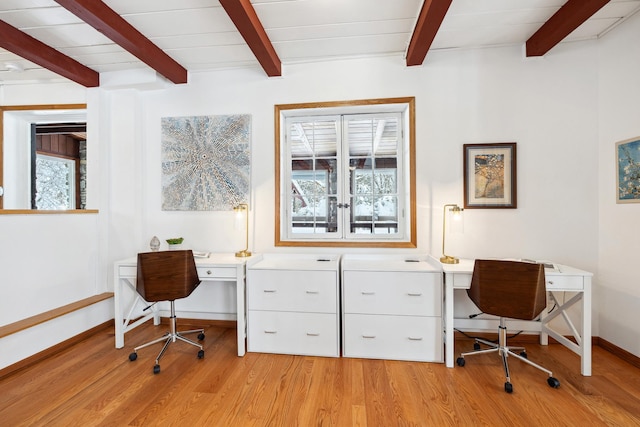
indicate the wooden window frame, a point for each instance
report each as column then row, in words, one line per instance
column 370, row 104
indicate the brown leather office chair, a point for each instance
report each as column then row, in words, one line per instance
column 167, row 276
column 508, row 289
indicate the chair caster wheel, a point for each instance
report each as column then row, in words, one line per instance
column 553, row 382
column 460, row 361
column 508, row 387
column 476, row 346
column 200, row 354
column 524, row 354
column 200, row 336
column 156, row 369
column 133, row 356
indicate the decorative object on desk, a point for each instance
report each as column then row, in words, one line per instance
column 243, row 210
column 154, row 244
column 175, row 243
column 456, row 212
column 490, row 176
column 205, row 162
column 628, row 170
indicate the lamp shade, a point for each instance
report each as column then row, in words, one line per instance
column 242, row 213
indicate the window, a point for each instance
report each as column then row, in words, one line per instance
column 55, row 183
column 344, row 174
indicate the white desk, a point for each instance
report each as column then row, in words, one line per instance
column 567, row 279
column 217, row 267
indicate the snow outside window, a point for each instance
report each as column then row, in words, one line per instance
column 55, row 183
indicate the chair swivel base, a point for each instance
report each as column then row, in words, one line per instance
column 168, row 338
column 505, row 351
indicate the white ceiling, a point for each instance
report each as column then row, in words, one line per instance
column 199, row 34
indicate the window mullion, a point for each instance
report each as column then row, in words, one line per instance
column 344, row 198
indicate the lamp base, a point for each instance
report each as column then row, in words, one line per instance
column 448, row 259
column 243, row 254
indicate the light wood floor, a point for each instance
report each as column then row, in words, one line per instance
column 94, row 384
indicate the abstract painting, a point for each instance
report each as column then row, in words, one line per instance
column 628, row 173
column 206, row 162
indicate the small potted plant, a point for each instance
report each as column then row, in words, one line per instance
column 175, row 243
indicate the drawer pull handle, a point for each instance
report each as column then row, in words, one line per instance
column 313, row 334
column 550, row 282
column 270, row 332
column 415, row 294
column 368, row 293
column 313, row 292
column 368, row 336
column 209, row 272
column 415, row 338
column 269, row 291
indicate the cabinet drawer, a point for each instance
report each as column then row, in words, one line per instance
column 393, row 337
column 405, row 293
column 310, row 291
column 205, row 273
column 560, row 281
column 564, row 282
column 127, row 271
column 314, row 334
column 460, row 280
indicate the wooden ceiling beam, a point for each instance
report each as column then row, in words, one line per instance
column 31, row 49
column 246, row 20
column 108, row 22
column 427, row 26
column 569, row 17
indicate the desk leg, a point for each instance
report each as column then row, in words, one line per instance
column 582, row 344
column 117, row 309
column 448, row 321
column 240, row 310
column 544, row 337
column 586, row 328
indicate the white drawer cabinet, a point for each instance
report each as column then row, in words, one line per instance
column 293, row 305
column 392, row 308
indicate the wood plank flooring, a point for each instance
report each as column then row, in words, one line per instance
column 94, row 384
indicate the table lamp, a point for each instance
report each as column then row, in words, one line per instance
column 243, row 209
column 457, row 214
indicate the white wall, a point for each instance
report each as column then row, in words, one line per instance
column 619, row 224
column 17, row 163
column 49, row 260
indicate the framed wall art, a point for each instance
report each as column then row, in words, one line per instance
column 206, row 162
column 628, row 171
column 490, row 176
